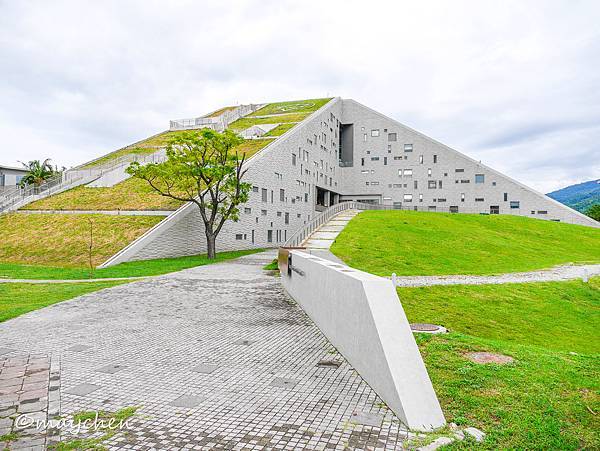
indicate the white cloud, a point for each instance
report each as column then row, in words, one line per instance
column 512, row 83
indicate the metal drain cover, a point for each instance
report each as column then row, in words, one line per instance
column 329, row 363
column 428, row 328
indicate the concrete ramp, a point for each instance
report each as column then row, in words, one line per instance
column 362, row 317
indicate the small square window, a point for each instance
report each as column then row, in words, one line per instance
column 408, row 147
column 515, row 204
column 479, row 178
column 392, row 137
column 375, row 132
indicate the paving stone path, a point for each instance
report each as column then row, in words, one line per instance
column 556, row 274
column 216, row 357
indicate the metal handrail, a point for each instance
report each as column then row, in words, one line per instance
column 71, row 179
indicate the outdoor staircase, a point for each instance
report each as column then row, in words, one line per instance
column 324, row 236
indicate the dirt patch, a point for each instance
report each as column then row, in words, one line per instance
column 489, row 357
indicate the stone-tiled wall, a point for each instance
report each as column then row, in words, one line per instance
column 384, row 158
column 315, row 145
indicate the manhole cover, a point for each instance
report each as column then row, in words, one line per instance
column 428, row 328
column 489, row 357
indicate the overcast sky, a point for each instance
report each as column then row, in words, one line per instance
column 514, row 84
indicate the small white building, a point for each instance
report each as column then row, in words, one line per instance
column 10, row 177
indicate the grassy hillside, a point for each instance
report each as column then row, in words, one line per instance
column 549, row 397
column 292, row 106
column 63, row 240
column 153, row 144
column 420, row 243
column 131, row 194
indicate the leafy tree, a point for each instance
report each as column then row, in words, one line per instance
column 38, row 172
column 594, row 212
column 204, row 168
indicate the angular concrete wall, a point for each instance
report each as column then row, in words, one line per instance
column 362, row 317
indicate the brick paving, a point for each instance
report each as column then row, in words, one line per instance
column 215, row 357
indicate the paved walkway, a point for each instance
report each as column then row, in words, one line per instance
column 319, row 242
column 217, row 356
column 556, row 274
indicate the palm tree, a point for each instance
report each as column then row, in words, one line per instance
column 38, row 172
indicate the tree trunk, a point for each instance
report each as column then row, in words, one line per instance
column 211, row 246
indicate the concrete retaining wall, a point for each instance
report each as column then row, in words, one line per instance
column 362, row 317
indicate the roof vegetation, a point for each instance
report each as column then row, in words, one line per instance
column 293, row 106
column 63, row 239
column 131, row 194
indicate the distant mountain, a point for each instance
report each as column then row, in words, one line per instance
column 579, row 197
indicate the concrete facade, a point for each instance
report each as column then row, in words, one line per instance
column 346, row 151
column 362, row 317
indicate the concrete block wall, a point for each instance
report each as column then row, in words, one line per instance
column 314, row 145
column 384, row 158
column 314, row 142
column 363, row 318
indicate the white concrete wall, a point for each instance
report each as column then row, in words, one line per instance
column 111, row 178
column 390, row 187
column 316, row 138
column 362, row 317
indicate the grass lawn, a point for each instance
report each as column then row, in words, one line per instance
column 130, row 194
column 421, row 243
column 545, row 399
column 141, row 150
column 251, row 146
column 153, row 144
column 281, row 129
column 293, row 106
column 63, row 240
column 19, row 298
column 130, row 269
column 221, row 111
column 247, row 121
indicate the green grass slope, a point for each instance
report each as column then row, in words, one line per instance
column 422, row 243
column 131, row 194
column 63, row 239
column 549, row 397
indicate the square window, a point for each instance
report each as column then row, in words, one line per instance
column 515, row 204
column 239, row 236
column 392, row 137
column 479, row 178
column 408, row 147
column 375, row 132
